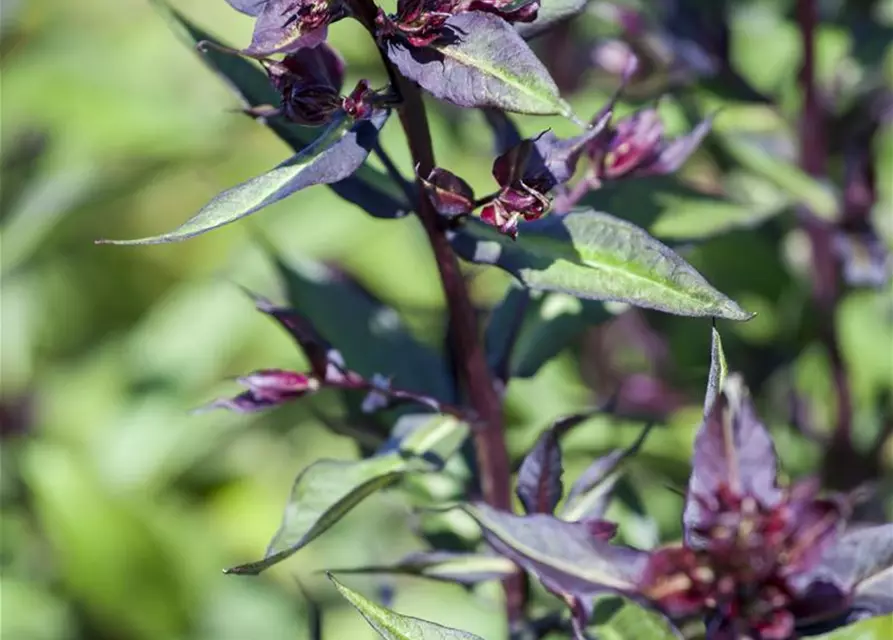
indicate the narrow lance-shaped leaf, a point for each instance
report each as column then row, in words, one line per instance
column 332, row 157
column 596, row 256
column 589, row 495
column 861, row 563
column 391, row 625
column 322, row 494
column 718, row 370
column 566, row 555
column 539, row 478
column 482, row 63
column 732, row 452
column 448, row 566
column 367, row 188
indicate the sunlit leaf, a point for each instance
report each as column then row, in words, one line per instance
column 594, row 255
column 335, row 155
column 485, row 64
column 322, row 494
column 877, row 628
column 718, row 370
column 394, row 626
column 565, row 554
column 433, row 437
column 448, row 566
column 367, row 188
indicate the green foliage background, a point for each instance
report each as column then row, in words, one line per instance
column 119, row 508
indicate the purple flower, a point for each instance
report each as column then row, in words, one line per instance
column 450, row 194
column 635, row 146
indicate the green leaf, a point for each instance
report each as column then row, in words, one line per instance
column 394, row 626
column 427, row 436
column 596, row 256
column 631, row 621
column 448, row 566
column 369, row 335
column 565, row 554
column 785, row 175
column 718, row 370
column 485, row 64
column 334, row 156
column 877, row 628
column 370, row 189
column 322, row 494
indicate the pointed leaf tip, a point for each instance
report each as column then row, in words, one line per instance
column 391, row 625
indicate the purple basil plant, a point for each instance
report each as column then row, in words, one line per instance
column 761, row 556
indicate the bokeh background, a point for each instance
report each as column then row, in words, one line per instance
column 120, row 508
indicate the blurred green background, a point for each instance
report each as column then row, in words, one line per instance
column 119, row 508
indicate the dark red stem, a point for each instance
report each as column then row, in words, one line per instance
column 825, row 264
column 488, row 435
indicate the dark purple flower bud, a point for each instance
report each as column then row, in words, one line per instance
column 268, row 388
column 450, row 194
column 635, row 147
column 419, row 22
column 358, row 104
column 309, row 82
column 526, row 174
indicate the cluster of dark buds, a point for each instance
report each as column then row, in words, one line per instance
column 268, row 388
column 758, row 561
column 309, row 82
column 422, row 22
column 526, row 174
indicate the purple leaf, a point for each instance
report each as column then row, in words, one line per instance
column 483, row 63
column 563, row 554
column 539, row 478
column 448, row 566
column 590, row 494
column 733, row 454
column 248, row 7
column 673, row 155
column 861, row 564
column 332, row 157
column 284, row 26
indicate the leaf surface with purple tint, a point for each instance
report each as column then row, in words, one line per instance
column 596, row 256
column 861, row 563
column 565, row 554
column 482, row 63
column 539, row 478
